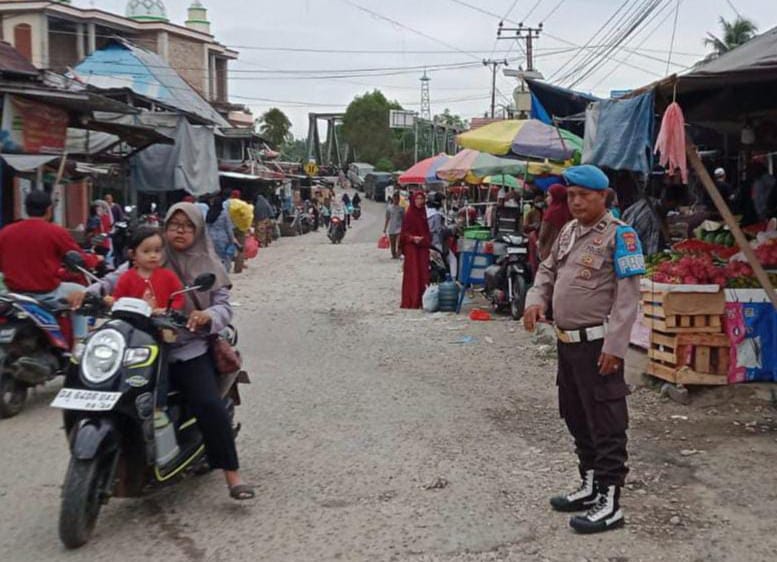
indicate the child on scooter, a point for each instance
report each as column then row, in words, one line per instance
column 148, row 280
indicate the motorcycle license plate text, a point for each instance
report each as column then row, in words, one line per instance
column 85, row 400
column 512, row 251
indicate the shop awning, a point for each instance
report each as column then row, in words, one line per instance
column 27, row 162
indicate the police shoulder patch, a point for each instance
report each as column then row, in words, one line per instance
column 629, row 260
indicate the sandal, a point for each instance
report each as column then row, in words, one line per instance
column 242, row 492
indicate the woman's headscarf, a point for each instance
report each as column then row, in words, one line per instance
column 199, row 258
column 415, row 222
column 557, row 212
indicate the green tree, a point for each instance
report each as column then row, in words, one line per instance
column 384, row 165
column 294, row 150
column 274, row 126
column 448, row 118
column 735, row 33
column 366, row 127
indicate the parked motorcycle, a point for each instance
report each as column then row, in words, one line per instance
column 506, row 282
column 108, row 403
column 35, row 344
column 336, row 230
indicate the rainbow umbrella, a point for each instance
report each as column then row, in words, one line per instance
column 523, row 137
column 472, row 165
column 424, row 171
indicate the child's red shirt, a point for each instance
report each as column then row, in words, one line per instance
column 155, row 290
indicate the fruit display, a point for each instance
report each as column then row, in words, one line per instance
column 694, row 246
column 703, row 269
column 767, row 253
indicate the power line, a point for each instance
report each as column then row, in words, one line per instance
column 553, row 11
column 587, row 43
column 647, row 9
column 644, row 40
column 407, row 27
column 671, row 41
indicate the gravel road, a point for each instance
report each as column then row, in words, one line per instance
column 379, row 434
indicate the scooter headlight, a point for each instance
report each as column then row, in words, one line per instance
column 103, row 356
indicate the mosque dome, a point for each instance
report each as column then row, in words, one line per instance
column 146, row 10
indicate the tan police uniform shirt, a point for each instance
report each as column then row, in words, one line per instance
column 579, row 278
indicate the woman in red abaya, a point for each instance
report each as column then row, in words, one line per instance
column 415, row 240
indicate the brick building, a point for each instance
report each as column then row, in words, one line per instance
column 57, row 35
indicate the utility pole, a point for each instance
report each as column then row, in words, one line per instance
column 526, row 34
column 494, row 64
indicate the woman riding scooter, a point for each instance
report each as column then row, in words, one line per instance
column 191, row 371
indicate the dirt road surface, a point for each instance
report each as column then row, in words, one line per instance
column 379, row 434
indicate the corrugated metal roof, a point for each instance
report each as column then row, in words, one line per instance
column 12, row 61
column 121, row 64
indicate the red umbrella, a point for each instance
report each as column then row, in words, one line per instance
column 424, row 171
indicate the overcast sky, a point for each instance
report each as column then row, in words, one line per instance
column 457, row 35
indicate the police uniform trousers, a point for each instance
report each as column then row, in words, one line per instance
column 594, row 409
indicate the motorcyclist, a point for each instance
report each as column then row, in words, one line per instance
column 191, row 368
column 31, row 253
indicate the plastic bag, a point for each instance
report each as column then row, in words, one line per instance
column 251, row 246
column 241, row 213
column 431, row 298
column 383, row 242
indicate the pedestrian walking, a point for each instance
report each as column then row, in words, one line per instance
column 591, row 277
column 553, row 220
column 415, row 241
column 222, row 232
column 395, row 214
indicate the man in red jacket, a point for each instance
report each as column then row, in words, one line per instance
column 31, row 253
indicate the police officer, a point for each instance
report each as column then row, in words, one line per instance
column 591, row 278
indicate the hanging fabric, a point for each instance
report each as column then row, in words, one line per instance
column 671, row 141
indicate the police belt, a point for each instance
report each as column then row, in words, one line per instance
column 582, row 335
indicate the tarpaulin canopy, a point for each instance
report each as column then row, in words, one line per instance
column 425, row 171
column 724, row 92
column 472, row 165
column 190, row 164
column 523, row 137
column 27, row 162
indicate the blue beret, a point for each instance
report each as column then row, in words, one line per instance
column 587, row 176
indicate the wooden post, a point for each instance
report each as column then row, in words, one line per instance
column 728, row 217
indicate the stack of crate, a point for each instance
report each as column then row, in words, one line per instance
column 687, row 341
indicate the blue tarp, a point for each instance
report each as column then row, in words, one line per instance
column 538, row 112
column 120, row 64
column 619, row 134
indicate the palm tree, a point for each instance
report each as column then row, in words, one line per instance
column 274, row 126
column 735, row 33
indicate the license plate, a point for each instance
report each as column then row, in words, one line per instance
column 514, row 251
column 7, row 335
column 85, row 400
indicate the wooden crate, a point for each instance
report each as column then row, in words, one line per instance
column 680, row 312
column 689, row 358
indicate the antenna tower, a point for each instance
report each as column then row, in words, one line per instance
column 426, row 103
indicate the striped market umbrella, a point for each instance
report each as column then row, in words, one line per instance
column 523, row 137
column 425, row 171
column 472, row 165
column 503, row 180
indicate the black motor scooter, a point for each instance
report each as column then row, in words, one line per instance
column 109, row 399
column 507, row 281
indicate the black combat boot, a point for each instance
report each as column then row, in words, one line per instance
column 579, row 500
column 604, row 515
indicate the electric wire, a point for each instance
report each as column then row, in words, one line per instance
column 614, row 37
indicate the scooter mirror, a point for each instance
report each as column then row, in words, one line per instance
column 73, row 260
column 204, row 281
